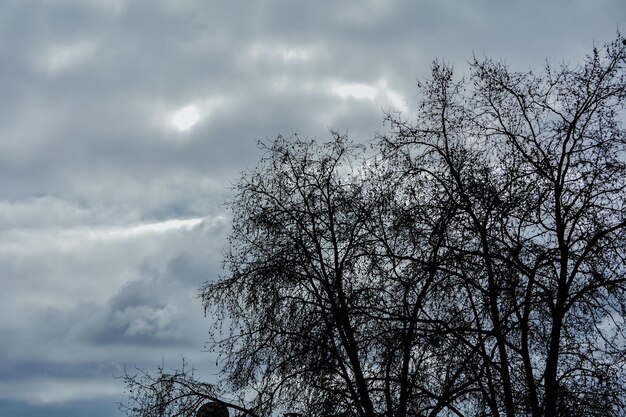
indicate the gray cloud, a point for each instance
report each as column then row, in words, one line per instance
column 86, row 302
column 101, row 248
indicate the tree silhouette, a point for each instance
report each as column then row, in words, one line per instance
column 474, row 266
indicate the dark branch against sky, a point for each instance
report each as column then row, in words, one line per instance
column 124, row 122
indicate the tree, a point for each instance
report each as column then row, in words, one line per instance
column 475, row 265
column 535, row 165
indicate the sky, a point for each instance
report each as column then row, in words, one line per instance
column 124, row 123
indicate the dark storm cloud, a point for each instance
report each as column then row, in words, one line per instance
column 111, row 217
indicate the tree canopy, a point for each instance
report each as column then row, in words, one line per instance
column 473, row 264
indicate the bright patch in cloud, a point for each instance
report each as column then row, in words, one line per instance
column 19, row 241
column 354, row 91
column 141, row 229
column 379, row 93
column 185, row 118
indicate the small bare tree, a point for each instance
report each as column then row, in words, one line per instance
column 175, row 393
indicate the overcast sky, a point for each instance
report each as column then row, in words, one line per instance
column 123, row 122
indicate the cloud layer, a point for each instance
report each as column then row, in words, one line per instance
column 123, row 124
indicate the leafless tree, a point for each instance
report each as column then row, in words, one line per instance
column 474, row 266
column 535, row 165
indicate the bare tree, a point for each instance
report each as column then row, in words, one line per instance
column 296, row 282
column 333, row 288
column 536, row 167
column 475, row 266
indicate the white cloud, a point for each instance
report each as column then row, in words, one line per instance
column 121, row 232
column 354, row 91
column 185, row 118
column 73, row 237
column 379, row 93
